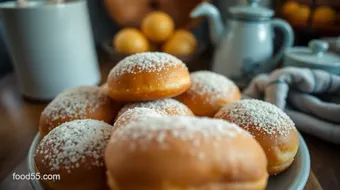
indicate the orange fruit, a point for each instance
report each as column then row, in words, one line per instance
column 301, row 15
column 185, row 36
column 158, row 26
column 289, row 8
column 324, row 15
column 130, row 41
column 181, row 43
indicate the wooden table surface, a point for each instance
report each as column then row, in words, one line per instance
column 19, row 124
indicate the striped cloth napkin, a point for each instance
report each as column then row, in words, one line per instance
column 310, row 97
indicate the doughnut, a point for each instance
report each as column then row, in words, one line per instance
column 270, row 126
column 85, row 102
column 184, row 153
column 148, row 76
column 135, row 115
column 166, row 106
column 75, row 152
column 209, row 92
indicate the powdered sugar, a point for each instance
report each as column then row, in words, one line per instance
column 207, row 82
column 135, row 115
column 146, row 62
column 263, row 115
column 75, row 103
column 164, row 107
column 70, row 144
column 180, row 128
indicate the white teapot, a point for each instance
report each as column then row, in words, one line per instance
column 244, row 46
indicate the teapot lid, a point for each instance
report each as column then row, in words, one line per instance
column 316, row 54
column 252, row 11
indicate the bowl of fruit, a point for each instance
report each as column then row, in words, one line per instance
column 157, row 32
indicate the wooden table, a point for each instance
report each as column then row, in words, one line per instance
column 19, row 124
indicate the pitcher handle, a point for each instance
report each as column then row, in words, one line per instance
column 288, row 38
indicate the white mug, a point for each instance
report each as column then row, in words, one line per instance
column 51, row 45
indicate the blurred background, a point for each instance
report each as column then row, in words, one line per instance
column 310, row 19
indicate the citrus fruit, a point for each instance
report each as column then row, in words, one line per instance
column 301, row 15
column 158, row 26
column 130, row 41
column 289, row 8
column 181, row 43
column 324, row 15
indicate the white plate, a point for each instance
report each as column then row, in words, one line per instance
column 295, row 178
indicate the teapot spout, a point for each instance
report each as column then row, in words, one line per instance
column 214, row 18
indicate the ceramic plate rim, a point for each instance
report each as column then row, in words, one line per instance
column 305, row 166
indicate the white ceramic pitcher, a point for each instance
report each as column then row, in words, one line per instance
column 51, row 46
column 244, row 46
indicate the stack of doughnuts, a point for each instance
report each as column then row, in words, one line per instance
column 155, row 126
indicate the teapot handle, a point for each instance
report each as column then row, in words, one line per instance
column 288, row 38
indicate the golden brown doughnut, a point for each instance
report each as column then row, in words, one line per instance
column 184, row 153
column 270, row 126
column 135, row 115
column 209, row 92
column 85, row 102
column 166, row 106
column 75, row 152
column 148, row 76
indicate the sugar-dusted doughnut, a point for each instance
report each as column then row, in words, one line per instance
column 184, row 153
column 209, row 92
column 166, row 106
column 135, row 115
column 75, row 152
column 148, row 76
column 270, row 126
column 85, row 102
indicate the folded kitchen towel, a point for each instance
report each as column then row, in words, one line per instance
column 310, row 97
